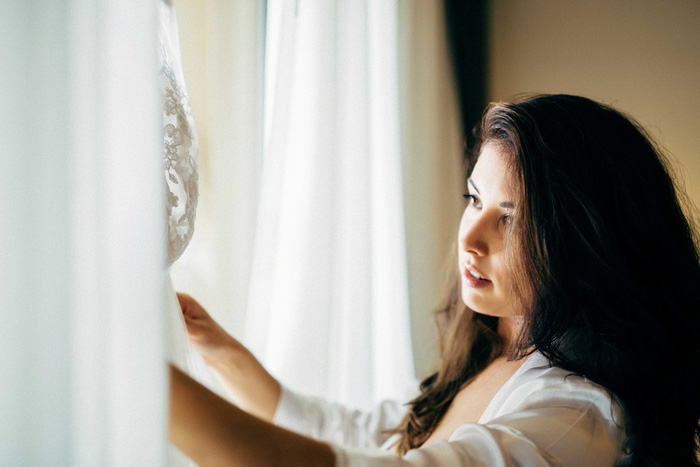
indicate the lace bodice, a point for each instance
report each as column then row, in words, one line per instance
column 180, row 148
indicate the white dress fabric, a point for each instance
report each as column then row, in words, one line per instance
column 180, row 151
column 543, row 415
column 180, row 148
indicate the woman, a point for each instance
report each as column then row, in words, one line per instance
column 577, row 343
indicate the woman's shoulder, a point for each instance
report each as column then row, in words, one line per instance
column 555, row 413
column 539, row 384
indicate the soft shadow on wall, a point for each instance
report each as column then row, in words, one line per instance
column 642, row 57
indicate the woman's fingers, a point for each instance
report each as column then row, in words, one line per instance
column 190, row 307
column 203, row 332
column 185, row 301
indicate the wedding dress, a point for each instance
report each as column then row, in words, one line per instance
column 180, row 152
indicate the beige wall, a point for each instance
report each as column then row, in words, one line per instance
column 194, row 31
column 432, row 152
column 220, row 42
column 640, row 56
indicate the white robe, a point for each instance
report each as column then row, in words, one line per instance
column 542, row 415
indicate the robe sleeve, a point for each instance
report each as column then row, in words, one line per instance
column 336, row 424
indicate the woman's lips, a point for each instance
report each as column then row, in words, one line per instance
column 475, row 282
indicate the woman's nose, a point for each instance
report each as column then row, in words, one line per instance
column 475, row 236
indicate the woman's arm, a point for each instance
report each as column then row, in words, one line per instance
column 251, row 386
column 257, row 392
column 213, row 432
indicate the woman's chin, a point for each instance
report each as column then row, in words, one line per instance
column 472, row 299
column 483, row 305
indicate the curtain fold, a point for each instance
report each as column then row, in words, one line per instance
column 81, row 235
column 467, row 28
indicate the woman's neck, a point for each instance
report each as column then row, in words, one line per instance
column 509, row 329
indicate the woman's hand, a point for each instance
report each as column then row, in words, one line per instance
column 206, row 336
column 250, row 385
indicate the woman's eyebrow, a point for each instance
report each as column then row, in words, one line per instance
column 504, row 204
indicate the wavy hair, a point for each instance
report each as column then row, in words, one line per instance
column 605, row 267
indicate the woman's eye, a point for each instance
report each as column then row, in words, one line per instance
column 472, row 199
column 505, row 219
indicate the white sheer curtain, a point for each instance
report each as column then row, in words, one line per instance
column 82, row 374
column 328, row 308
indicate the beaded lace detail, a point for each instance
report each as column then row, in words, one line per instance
column 180, row 153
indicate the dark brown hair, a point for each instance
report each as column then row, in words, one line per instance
column 607, row 276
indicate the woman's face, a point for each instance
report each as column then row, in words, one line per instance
column 482, row 259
